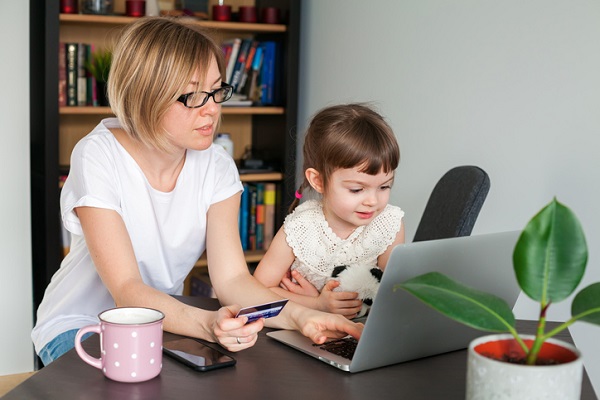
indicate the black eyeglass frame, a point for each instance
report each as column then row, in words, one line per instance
column 184, row 97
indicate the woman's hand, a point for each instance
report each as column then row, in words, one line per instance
column 343, row 303
column 319, row 326
column 233, row 333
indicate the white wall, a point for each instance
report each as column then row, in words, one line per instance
column 511, row 86
column 16, row 349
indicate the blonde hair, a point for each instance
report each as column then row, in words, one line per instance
column 348, row 136
column 153, row 61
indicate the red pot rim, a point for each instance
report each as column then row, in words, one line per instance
column 500, row 345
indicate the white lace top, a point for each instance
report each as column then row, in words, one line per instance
column 319, row 250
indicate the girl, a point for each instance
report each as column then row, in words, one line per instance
column 350, row 154
column 148, row 193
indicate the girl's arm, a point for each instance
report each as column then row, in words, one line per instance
column 272, row 272
column 383, row 259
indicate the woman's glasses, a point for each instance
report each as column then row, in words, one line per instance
column 198, row 99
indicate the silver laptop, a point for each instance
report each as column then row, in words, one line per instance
column 399, row 326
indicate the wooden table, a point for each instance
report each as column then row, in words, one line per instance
column 269, row 370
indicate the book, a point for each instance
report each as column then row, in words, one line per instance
column 260, row 214
column 235, row 47
column 252, row 217
column 62, row 74
column 253, row 84
column 269, row 200
column 226, row 47
column 244, row 216
column 71, row 68
column 238, row 100
column 91, row 99
column 247, row 67
column 267, row 76
column 81, row 74
column 240, row 64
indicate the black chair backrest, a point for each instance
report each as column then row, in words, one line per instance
column 454, row 204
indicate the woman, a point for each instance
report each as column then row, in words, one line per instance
column 148, row 193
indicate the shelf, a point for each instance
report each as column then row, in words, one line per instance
column 262, row 177
column 257, row 177
column 81, row 110
column 223, row 26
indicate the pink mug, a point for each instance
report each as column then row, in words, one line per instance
column 130, row 343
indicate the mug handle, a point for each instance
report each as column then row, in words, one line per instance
column 94, row 362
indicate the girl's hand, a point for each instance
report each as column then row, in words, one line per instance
column 233, row 333
column 344, row 303
column 301, row 286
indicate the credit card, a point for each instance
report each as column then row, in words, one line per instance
column 266, row 310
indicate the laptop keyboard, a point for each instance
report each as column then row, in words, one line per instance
column 343, row 347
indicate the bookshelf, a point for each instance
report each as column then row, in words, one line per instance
column 268, row 130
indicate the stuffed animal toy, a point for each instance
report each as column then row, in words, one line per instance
column 360, row 279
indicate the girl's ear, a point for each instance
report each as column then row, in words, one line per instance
column 314, row 179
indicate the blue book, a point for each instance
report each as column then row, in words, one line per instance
column 244, row 216
column 267, row 77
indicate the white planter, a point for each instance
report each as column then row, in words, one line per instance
column 491, row 379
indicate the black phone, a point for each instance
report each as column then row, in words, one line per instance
column 197, row 355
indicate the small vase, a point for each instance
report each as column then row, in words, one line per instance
column 101, row 94
column 102, row 7
column 491, row 379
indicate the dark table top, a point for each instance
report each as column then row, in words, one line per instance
column 269, row 370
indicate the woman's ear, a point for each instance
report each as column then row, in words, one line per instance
column 314, row 179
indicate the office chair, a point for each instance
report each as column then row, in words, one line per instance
column 454, row 204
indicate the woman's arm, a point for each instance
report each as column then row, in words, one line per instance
column 112, row 253
column 234, row 284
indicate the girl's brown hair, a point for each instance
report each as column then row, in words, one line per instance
column 347, row 136
column 153, row 61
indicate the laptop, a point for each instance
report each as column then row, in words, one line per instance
column 399, row 326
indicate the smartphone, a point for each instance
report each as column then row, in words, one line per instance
column 197, row 355
column 266, row 310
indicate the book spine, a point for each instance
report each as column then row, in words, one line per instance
column 252, row 218
column 226, row 47
column 247, row 67
column 71, row 51
column 240, row 64
column 235, row 47
column 90, row 80
column 268, row 73
column 62, row 74
column 269, row 200
column 244, row 216
column 81, row 74
column 94, row 82
column 253, row 87
column 260, row 215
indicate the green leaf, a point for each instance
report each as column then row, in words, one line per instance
column 586, row 305
column 551, row 254
column 469, row 306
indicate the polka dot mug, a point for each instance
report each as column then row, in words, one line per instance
column 130, row 343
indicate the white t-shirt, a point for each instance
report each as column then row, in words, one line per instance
column 167, row 230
